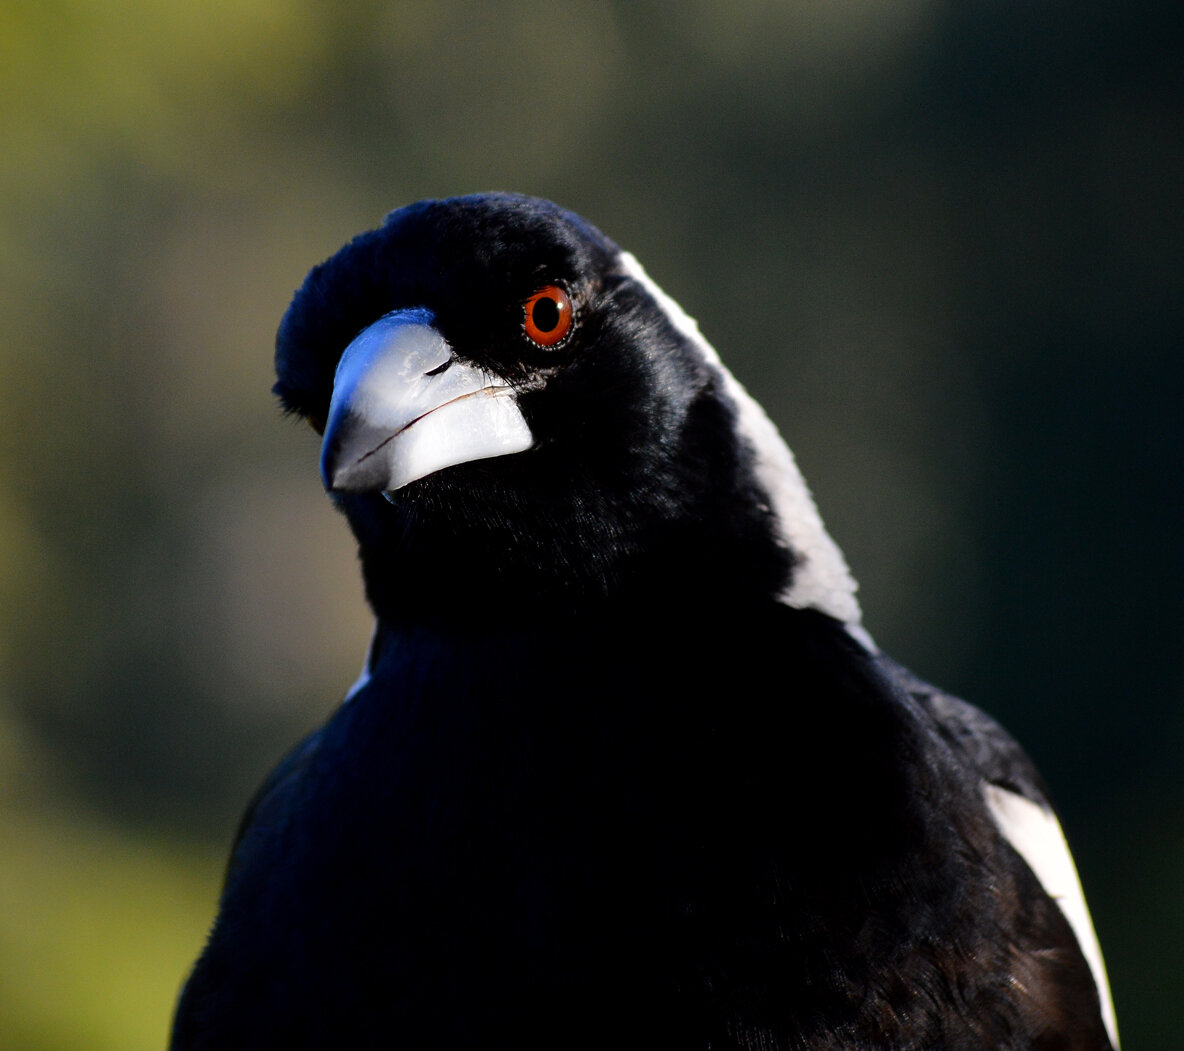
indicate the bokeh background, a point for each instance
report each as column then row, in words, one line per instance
column 941, row 240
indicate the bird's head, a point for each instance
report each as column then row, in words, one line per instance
column 514, row 415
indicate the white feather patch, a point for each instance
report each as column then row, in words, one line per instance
column 1037, row 837
column 364, row 678
column 821, row 578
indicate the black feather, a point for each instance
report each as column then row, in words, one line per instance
column 602, row 785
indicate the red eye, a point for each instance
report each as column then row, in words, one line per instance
column 548, row 316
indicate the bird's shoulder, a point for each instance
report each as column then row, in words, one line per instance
column 1015, row 796
column 973, row 735
column 274, row 800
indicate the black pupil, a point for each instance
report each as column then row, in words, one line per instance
column 545, row 314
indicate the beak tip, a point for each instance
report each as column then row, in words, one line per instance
column 334, row 473
column 343, row 470
column 336, row 477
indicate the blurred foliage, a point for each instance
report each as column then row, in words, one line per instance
column 941, row 241
column 96, row 930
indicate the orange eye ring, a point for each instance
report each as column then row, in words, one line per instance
column 548, row 316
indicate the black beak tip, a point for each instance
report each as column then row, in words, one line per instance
column 352, row 460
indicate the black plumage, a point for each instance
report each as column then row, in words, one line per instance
column 624, row 768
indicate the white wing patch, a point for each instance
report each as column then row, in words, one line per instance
column 1037, row 837
column 821, row 580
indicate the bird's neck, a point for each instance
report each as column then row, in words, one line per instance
column 821, row 579
column 472, row 587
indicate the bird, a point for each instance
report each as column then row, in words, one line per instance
column 623, row 767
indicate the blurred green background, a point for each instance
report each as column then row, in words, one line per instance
column 941, row 240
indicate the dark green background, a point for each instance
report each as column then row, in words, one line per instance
column 942, row 242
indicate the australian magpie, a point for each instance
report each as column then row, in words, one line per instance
column 623, row 768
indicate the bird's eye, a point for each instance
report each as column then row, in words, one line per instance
column 548, row 316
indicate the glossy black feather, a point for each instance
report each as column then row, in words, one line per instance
column 601, row 787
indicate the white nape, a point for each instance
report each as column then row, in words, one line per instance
column 821, row 579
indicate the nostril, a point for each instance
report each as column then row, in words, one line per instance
column 440, row 368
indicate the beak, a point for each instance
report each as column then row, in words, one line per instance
column 404, row 407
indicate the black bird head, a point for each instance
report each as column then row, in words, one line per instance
column 516, row 418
